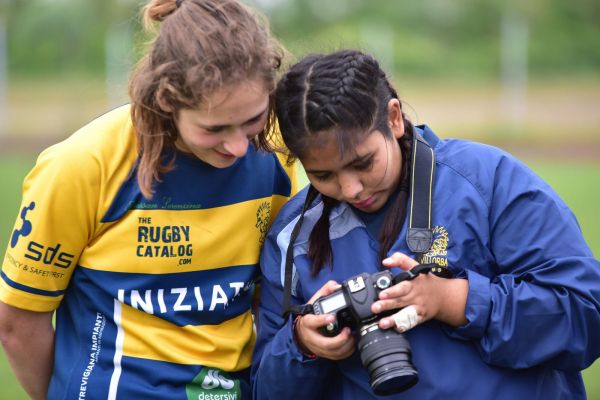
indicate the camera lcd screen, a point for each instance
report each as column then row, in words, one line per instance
column 333, row 303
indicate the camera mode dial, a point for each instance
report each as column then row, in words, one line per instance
column 383, row 282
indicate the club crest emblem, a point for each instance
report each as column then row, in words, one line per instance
column 263, row 219
column 438, row 253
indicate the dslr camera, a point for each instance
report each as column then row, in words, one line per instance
column 385, row 354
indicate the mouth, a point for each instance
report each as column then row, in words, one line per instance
column 364, row 203
column 225, row 155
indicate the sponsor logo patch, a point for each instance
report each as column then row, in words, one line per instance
column 26, row 226
column 213, row 384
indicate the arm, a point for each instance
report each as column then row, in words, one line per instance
column 540, row 301
column 279, row 369
column 56, row 212
column 535, row 298
column 28, row 340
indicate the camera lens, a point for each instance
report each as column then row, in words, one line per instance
column 387, row 357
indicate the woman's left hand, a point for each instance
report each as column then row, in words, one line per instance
column 421, row 299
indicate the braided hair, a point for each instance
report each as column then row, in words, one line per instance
column 345, row 94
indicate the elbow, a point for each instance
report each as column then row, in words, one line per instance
column 18, row 325
column 7, row 331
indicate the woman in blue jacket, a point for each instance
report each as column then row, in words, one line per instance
column 517, row 318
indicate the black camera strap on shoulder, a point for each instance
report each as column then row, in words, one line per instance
column 419, row 236
column 311, row 195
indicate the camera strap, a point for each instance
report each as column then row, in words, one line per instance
column 419, row 236
column 422, row 269
column 289, row 260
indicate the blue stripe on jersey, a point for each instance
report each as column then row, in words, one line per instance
column 84, row 351
column 29, row 289
column 194, row 185
column 187, row 298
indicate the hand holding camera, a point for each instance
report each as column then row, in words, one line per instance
column 309, row 334
column 432, row 297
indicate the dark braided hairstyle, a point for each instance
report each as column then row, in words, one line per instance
column 346, row 94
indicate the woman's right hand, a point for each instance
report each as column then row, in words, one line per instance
column 308, row 334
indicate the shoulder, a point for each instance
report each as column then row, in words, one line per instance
column 102, row 144
column 482, row 167
column 290, row 212
column 281, row 153
column 471, row 159
column 464, row 155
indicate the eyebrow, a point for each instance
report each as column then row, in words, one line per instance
column 349, row 163
column 216, row 127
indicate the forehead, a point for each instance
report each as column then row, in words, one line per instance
column 233, row 103
column 326, row 151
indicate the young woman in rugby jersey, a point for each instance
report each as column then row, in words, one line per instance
column 141, row 232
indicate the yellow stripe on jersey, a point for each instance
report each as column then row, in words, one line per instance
column 149, row 242
column 227, row 346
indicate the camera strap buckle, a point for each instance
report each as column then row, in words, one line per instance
column 422, row 269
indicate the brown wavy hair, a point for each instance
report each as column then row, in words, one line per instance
column 199, row 47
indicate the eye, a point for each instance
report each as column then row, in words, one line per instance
column 363, row 164
column 321, row 176
column 215, row 129
column 254, row 120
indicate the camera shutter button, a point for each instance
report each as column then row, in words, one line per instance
column 331, row 327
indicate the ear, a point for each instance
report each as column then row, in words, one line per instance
column 395, row 120
column 162, row 103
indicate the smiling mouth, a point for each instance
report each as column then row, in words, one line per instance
column 226, row 155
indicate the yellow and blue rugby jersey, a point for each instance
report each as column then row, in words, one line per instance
column 153, row 296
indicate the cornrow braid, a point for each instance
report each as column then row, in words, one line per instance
column 322, row 254
column 345, row 94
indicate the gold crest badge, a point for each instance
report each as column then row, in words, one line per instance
column 263, row 219
column 439, row 249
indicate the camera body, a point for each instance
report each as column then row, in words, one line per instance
column 351, row 304
column 385, row 354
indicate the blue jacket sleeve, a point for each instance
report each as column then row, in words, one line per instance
column 540, row 303
column 279, row 369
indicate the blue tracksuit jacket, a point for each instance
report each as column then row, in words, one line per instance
column 534, row 290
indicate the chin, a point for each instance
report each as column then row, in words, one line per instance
column 223, row 164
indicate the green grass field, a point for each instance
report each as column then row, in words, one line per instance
column 576, row 182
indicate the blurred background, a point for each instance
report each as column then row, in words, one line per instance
column 521, row 75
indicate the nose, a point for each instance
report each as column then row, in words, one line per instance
column 350, row 185
column 237, row 143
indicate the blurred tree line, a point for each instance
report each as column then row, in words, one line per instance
column 417, row 37
column 49, row 37
column 442, row 37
